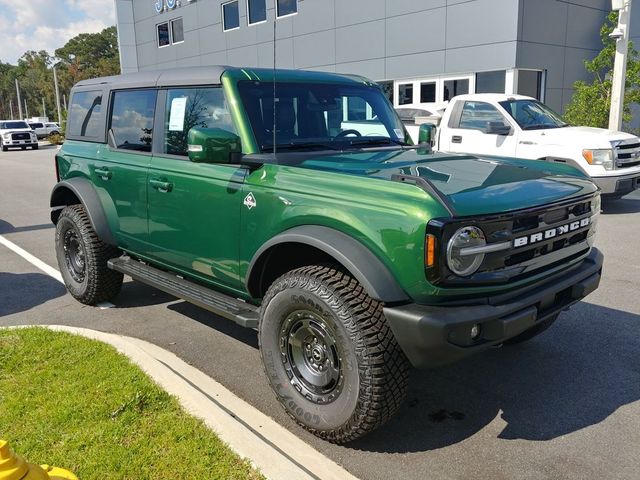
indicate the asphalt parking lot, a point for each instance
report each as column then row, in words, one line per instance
column 564, row 405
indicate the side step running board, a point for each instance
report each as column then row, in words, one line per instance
column 228, row 307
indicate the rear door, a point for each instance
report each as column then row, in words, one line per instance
column 194, row 208
column 122, row 165
column 467, row 130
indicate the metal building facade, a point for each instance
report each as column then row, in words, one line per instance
column 424, row 50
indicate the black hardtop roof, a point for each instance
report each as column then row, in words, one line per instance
column 208, row 75
column 172, row 76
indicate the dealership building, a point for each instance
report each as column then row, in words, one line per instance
column 421, row 51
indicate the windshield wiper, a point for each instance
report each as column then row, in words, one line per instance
column 376, row 141
column 298, row 146
column 540, row 126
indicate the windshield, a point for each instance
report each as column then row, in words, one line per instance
column 320, row 116
column 8, row 125
column 532, row 115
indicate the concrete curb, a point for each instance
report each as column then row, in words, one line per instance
column 276, row 452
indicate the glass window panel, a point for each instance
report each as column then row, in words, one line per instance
column 177, row 30
column 455, row 87
column 530, row 83
column 257, row 11
column 132, row 119
column 84, row 114
column 163, row 35
column 476, row 115
column 490, row 82
column 427, row 92
column 405, row 93
column 230, row 16
column 193, row 107
column 287, row 7
column 387, row 89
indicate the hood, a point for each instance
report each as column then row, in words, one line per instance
column 584, row 137
column 473, row 185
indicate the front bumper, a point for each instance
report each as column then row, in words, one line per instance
column 619, row 185
column 436, row 335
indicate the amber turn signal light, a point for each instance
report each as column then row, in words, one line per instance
column 430, row 249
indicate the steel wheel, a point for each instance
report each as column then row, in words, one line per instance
column 310, row 356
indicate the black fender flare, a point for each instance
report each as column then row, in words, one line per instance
column 88, row 197
column 372, row 274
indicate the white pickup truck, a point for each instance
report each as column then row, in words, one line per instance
column 518, row 126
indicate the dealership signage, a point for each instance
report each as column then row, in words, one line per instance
column 166, row 5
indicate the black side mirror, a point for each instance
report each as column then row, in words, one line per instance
column 213, row 145
column 497, row 128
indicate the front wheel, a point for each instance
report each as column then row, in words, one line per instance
column 329, row 355
column 82, row 258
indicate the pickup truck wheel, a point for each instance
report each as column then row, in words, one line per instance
column 82, row 258
column 532, row 332
column 329, row 355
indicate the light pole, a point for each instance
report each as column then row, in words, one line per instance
column 55, row 81
column 618, row 80
column 19, row 106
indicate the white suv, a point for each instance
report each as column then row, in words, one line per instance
column 44, row 129
column 16, row 133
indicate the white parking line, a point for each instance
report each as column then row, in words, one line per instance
column 52, row 272
column 35, row 261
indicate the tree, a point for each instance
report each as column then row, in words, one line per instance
column 591, row 102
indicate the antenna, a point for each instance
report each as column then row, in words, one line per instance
column 274, row 82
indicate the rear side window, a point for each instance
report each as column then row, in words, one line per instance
column 132, row 119
column 84, row 114
column 193, row 107
column 476, row 115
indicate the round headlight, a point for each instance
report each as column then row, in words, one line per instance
column 460, row 257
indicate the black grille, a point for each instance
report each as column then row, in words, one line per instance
column 21, row 136
column 517, row 263
column 628, row 155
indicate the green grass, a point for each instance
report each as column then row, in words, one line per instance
column 78, row 404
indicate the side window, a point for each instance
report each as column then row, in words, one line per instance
column 84, row 114
column 476, row 115
column 193, row 107
column 132, row 119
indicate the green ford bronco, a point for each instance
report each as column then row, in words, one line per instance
column 296, row 205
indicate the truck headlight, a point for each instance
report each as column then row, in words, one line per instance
column 467, row 262
column 7, row 136
column 602, row 157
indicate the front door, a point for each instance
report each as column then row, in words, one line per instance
column 468, row 131
column 194, row 208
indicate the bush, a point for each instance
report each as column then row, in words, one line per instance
column 56, row 139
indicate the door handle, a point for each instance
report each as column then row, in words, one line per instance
column 161, row 185
column 103, row 173
column 456, row 139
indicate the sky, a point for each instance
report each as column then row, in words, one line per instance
column 48, row 24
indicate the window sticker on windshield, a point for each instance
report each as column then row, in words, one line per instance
column 176, row 121
column 398, row 133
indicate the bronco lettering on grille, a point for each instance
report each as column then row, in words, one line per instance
column 551, row 233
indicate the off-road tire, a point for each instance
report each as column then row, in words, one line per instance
column 374, row 369
column 532, row 332
column 97, row 283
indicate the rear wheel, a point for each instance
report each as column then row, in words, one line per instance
column 532, row 332
column 82, row 258
column 329, row 355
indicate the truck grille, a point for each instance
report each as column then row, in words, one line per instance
column 544, row 252
column 628, row 154
column 21, row 136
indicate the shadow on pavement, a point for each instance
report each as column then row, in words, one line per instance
column 20, row 292
column 6, row 227
column 628, row 204
column 573, row 376
column 222, row 325
column 136, row 294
